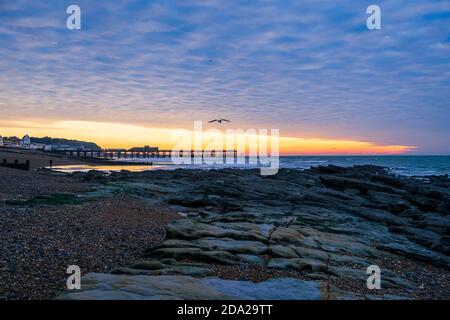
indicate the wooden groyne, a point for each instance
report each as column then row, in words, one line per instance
column 15, row 164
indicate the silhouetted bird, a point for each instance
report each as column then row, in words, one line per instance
column 219, row 120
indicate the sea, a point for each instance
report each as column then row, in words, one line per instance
column 400, row 165
column 406, row 165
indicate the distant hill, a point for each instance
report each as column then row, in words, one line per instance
column 61, row 141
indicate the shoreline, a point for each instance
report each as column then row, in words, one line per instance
column 41, row 160
column 231, row 224
column 44, row 229
column 237, row 225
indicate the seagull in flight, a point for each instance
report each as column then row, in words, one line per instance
column 219, row 120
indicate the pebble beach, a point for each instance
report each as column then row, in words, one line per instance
column 148, row 234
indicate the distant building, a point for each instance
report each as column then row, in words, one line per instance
column 37, row 146
column 12, row 142
column 26, row 142
column 61, row 147
column 144, row 149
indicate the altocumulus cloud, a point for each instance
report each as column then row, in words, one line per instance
column 309, row 67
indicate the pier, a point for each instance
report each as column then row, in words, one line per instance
column 108, row 154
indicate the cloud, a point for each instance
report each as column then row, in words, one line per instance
column 310, row 68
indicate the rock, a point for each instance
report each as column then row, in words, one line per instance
column 388, row 202
column 251, row 259
column 388, row 278
column 149, row 265
column 436, row 223
column 387, row 297
column 189, row 229
column 343, row 272
column 282, row 251
column 340, row 183
column 260, row 229
column 444, row 207
column 412, row 213
column 343, row 244
column 424, row 203
column 331, row 169
column 176, row 270
column 317, row 276
column 338, row 294
column 282, row 234
column 222, row 257
column 223, row 244
column 444, row 245
column 309, row 253
column 416, row 252
column 323, row 222
column 98, row 286
column 297, row 264
column 187, row 201
column 378, row 215
column 95, row 176
column 423, row 237
column 342, row 259
column 231, row 245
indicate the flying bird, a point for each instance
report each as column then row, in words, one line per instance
column 219, row 120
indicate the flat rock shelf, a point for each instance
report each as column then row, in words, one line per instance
column 100, row 286
column 313, row 232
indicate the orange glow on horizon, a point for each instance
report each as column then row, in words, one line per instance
column 317, row 146
column 115, row 135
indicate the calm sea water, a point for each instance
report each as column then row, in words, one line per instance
column 401, row 165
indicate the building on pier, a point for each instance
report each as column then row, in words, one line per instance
column 144, row 149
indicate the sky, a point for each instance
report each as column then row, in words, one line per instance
column 139, row 69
